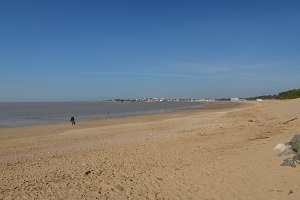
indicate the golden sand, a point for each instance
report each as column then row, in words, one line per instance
column 222, row 152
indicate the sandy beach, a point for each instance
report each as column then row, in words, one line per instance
column 225, row 151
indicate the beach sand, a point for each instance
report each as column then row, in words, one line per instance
column 221, row 152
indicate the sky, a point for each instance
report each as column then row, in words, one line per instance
column 55, row 50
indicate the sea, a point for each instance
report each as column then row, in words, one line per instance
column 40, row 113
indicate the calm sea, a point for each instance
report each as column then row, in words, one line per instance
column 25, row 114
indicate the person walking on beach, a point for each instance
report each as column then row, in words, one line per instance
column 73, row 120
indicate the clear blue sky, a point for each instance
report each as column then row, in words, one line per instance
column 59, row 50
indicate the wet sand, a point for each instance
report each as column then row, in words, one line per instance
column 222, row 152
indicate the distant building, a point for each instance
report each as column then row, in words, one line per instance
column 234, row 99
column 237, row 99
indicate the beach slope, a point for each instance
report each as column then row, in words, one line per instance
column 222, row 152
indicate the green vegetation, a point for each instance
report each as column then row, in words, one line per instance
column 290, row 94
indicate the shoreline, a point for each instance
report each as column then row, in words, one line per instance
column 87, row 118
column 20, row 115
column 47, row 130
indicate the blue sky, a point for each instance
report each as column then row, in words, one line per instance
column 87, row 50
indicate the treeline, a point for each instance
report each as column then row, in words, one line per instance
column 290, row 94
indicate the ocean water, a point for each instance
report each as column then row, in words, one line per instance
column 25, row 114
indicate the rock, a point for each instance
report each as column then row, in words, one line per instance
column 292, row 147
column 289, row 162
column 296, row 158
column 295, row 143
column 291, row 192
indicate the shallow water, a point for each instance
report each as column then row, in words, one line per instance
column 24, row 114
